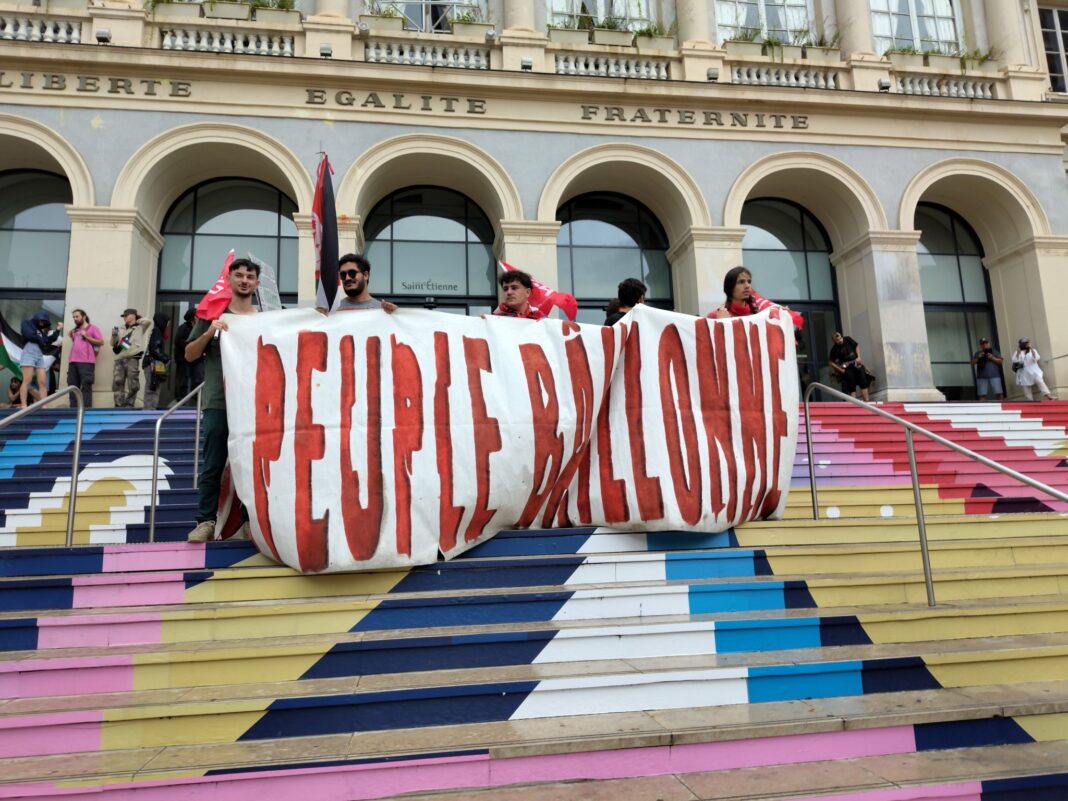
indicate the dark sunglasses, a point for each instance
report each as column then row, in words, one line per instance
column 349, row 273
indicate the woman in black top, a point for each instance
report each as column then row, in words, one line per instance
column 845, row 360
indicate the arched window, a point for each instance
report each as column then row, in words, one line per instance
column 433, row 247
column 788, row 253
column 34, row 245
column 603, row 239
column 207, row 221
column 956, row 297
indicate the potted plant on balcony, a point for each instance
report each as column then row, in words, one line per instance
column 744, row 44
column 226, row 9
column 173, row 11
column 612, row 31
column 821, row 48
column 944, row 62
column 382, row 17
column 978, row 61
column 470, row 23
column 275, row 12
column 904, row 58
column 654, row 37
column 779, row 50
column 569, row 33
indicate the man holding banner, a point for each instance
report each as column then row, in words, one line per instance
column 242, row 280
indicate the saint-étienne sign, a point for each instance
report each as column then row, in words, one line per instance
column 401, row 101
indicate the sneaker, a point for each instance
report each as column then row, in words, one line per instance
column 204, row 531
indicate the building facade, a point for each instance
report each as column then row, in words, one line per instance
column 893, row 169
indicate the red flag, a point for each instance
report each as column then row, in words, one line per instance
column 213, row 304
column 543, row 298
column 762, row 303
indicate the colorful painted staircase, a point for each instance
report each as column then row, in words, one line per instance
column 781, row 660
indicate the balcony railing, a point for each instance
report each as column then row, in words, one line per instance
column 21, row 28
column 407, row 48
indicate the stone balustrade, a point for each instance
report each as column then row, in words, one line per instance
column 935, row 85
column 215, row 40
column 613, row 66
column 427, row 53
column 21, row 28
column 789, row 75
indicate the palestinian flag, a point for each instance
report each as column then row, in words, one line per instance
column 324, row 235
column 12, row 350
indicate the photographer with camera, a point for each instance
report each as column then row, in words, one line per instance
column 1028, row 373
column 987, row 363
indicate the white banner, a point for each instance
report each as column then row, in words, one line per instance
column 366, row 440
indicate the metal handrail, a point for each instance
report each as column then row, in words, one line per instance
column 75, row 458
column 198, row 391
column 909, row 429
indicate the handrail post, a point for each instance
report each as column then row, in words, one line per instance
column 811, row 456
column 920, row 523
column 196, row 443
column 74, row 464
column 155, row 455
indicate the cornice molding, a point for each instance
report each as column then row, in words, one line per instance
column 1046, row 245
column 106, row 217
column 894, row 241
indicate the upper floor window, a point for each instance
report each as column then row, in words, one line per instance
column 629, row 14
column 923, row 25
column 783, row 20
column 433, row 16
column 1054, row 23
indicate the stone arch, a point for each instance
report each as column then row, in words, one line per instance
column 831, row 190
column 38, row 147
column 641, row 173
column 185, row 156
column 429, row 159
column 1003, row 211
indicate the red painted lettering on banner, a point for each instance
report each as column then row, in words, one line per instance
column 751, row 405
column 686, row 478
column 713, row 383
column 362, row 522
column 309, row 446
column 407, row 434
column 776, row 354
column 545, row 422
column 449, row 515
column 270, row 427
column 647, row 488
column 578, row 365
column 613, row 490
column 487, row 433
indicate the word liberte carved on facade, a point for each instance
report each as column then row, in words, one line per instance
column 400, row 101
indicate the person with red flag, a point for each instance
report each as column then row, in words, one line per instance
column 517, row 286
column 538, row 296
column 243, row 278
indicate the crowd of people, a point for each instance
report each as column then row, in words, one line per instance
column 146, row 352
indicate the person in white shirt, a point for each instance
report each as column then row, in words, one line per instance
column 1025, row 363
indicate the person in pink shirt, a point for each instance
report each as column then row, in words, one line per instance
column 81, row 368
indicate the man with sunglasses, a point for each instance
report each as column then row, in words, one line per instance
column 355, row 273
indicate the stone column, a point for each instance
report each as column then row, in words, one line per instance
column 530, row 245
column 519, row 14
column 1040, row 265
column 854, row 24
column 1005, row 31
column 693, row 22
column 699, row 260
column 117, row 253
column 882, row 308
